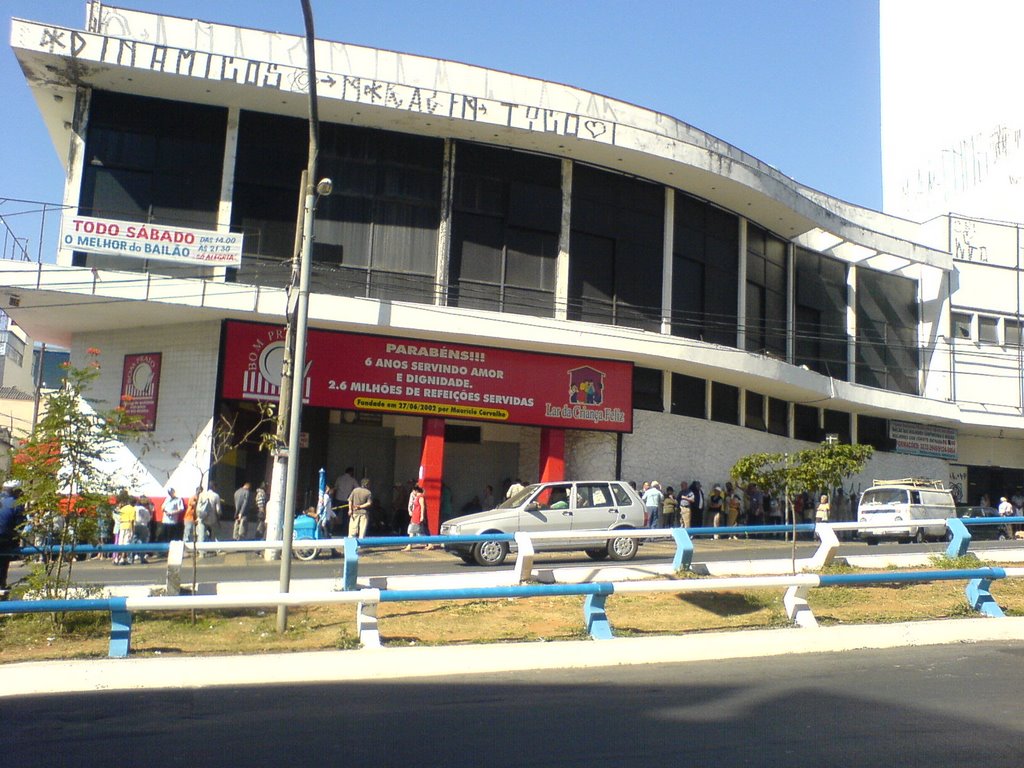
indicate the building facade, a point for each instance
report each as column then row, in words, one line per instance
column 511, row 278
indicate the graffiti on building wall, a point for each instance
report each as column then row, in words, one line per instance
column 985, row 242
column 167, row 59
column 970, row 162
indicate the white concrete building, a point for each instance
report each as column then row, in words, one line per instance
column 512, row 277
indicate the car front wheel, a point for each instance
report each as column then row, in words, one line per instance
column 490, row 552
column 623, row 548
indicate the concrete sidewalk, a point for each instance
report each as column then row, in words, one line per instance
column 407, row 663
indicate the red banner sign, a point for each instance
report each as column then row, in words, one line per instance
column 425, row 378
column 140, row 388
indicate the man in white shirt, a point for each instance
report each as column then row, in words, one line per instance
column 343, row 487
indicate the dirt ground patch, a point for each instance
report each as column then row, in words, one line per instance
column 30, row 638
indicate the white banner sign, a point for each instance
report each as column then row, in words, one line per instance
column 151, row 241
column 922, row 440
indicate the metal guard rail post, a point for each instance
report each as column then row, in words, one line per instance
column 595, row 618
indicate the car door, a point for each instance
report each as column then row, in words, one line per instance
column 550, row 509
column 595, row 507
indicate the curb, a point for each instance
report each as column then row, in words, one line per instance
column 408, row 663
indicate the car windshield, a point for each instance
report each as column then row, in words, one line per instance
column 884, row 496
column 517, row 499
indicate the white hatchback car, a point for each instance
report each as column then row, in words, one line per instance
column 580, row 505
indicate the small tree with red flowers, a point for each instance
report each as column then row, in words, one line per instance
column 65, row 487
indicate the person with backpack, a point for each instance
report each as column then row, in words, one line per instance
column 208, row 514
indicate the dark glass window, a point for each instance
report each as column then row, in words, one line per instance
column 887, row 318
column 754, row 416
column 506, row 216
column 766, row 293
column 820, row 308
column 615, row 262
column 988, row 329
column 705, row 270
column 151, row 160
column 838, row 423
column 375, row 236
column 647, row 388
column 1012, row 329
column 725, row 403
column 461, row 433
column 778, row 417
column 960, row 326
column 805, row 423
column 689, row 396
column 874, row 431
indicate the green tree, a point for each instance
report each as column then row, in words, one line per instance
column 813, row 470
column 64, row 470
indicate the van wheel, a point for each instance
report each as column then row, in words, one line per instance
column 871, row 541
column 919, row 537
column 597, row 554
column 623, row 548
column 490, row 552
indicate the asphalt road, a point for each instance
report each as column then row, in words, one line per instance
column 240, row 567
column 949, row 706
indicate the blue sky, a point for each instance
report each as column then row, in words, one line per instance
column 792, row 82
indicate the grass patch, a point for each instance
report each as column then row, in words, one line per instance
column 332, row 627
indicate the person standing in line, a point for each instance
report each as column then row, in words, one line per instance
column 1006, row 509
column 143, row 515
column 653, row 497
column 487, row 500
column 359, row 503
column 125, row 530
column 12, row 517
column 670, row 509
column 685, row 499
column 243, row 504
column 170, row 523
column 716, row 508
column 261, row 510
column 822, row 511
column 416, row 515
column 734, row 505
column 343, row 487
column 325, row 510
column 697, row 506
column 208, row 511
column 515, row 488
column 755, row 505
column 191, row 516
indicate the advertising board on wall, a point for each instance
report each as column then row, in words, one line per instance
column 384, row 374
column 923, row 440
column 151, row 241
column 140, row 388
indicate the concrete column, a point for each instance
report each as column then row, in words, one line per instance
column 741, row 288
column 227, row 180
column 552, row 454
column 666, row 260
column 431, row 469
column 851, row 323
column 444, row 228
column 790, row 302
column 562, row 267
column 76, row 164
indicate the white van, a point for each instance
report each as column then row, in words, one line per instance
column 901, row 502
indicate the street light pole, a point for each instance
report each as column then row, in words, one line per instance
column 298, row 367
